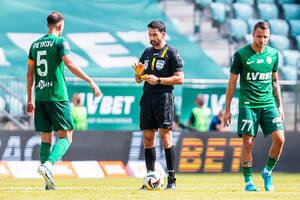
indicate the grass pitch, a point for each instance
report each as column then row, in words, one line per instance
column 189, row 186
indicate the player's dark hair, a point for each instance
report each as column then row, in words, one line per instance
column 263, row 25
column 157, row 24
column 54, row 18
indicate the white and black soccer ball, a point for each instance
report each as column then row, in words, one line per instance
column 154, row 181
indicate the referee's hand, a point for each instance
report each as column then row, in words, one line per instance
column 227, row 118
column 138, row 68
column 151, row 79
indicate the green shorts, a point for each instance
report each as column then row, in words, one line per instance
column 268, row 118
column 52, row 116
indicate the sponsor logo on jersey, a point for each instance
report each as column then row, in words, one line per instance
column 257, row 76
column 260, row 61
column 146, row 62
column 42, row 84
column 66, row 45
column 269, row 60
column 250, row 62
column 160, row 64
column 276, row 120
column 43, row 44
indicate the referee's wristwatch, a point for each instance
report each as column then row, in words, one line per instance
column 158, row 80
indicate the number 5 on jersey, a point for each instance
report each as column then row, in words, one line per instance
column 42, row 61
column 245, row 122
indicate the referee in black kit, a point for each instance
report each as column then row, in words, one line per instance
column 160, row 66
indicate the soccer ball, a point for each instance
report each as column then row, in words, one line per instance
column 154, row 181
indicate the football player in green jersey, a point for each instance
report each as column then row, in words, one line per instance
column 259, row 101
column 50, row 108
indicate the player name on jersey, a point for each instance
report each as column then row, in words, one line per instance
column 43, row 44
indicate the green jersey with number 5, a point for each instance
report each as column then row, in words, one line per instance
column 255, row 71
column 49, row 69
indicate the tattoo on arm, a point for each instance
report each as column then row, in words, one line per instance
column 277, row 92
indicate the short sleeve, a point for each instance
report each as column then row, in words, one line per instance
column 275, row 67
column 176, row 61
column 63, row 48
column 142, row 58
column 236, row 65
column 30, row 57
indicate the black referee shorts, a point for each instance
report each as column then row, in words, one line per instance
column 157, row 111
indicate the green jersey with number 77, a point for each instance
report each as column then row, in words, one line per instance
column 46, row 53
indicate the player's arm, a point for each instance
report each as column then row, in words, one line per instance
column 235, row 69
column 30, row 87
column 229, row 94
column 75, row 69
column 277, row 93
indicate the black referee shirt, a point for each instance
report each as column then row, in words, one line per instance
column 161, row 63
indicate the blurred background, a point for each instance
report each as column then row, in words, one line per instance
column 107, row 36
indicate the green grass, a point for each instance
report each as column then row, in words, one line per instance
column 189, row 186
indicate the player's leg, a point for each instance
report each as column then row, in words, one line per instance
column 46, row 142
column 272, row 125
column 62, row 145
column 247, row 129
column 167, row 141
column 43, row 124
column 62, row 122
column 246, row 155
column 275, row 150
column 61, row 117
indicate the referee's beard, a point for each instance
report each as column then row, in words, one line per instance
column 155, row 43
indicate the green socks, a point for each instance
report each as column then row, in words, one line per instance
column 247, row 171
column 44, row 152
column 59, row 150
column 271, row 164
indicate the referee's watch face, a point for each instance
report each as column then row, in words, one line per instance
column 155, row 36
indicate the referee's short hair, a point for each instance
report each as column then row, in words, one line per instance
column 54, row 18
column 262, row 24
column 157, row 24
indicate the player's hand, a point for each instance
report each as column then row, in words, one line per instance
column 95, row 88
column 138, row 68
column 280, row 110
column 151, row 79
column 30, row 109
column 227, row 118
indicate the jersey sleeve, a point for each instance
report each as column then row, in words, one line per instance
column 176, row 61
column 142, row 58
column 63, row 48
column 275, row 67
column 236, row 65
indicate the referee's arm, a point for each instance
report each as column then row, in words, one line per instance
column 176, row 79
